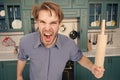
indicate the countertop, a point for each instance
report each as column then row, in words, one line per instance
column 109, row 52
column 10, row 56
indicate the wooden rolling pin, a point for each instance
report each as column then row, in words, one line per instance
column 101, row 46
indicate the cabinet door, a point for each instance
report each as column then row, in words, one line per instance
column 81, row 73
column 111, row 15
column 62, row 3
column 71, row 13
column 114, row 72
column 27, row 4
column 1, row 71
column 99, row 10
column 10, row 17
column 14, row 17
column 80, row 3
column 9, row 69
column 3, row 26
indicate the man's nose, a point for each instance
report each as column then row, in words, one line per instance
column 47, row 27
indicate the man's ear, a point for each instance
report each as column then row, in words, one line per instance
column 36, row 25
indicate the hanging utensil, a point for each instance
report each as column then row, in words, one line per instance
column 62, row 28
column 73, row 34
column 16, row 24
column 8, row 41
column 89, row 43
column 108, row 39
column 111, row 39
column 2, row 13
column 95, row 39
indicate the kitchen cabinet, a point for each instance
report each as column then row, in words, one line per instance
column 8, row 70
column 10, row 16
column 80, row 3
column 100, row 9
column 113, row 68
column 64, row 3
column 27, row 4
column 112, row 72
column 71, row 13
column 1, row 71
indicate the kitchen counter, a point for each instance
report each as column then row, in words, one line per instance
column 109, row 52
column 9, row 56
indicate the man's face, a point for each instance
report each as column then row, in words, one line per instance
column 48, row 27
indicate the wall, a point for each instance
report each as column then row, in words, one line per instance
column 15, row 37
column 115, row 38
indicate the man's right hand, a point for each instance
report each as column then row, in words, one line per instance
column 19, row 78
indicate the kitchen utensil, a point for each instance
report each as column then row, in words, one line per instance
column 89, row 43
column 101, row 47
column 16, row 24
column 111, row 40
column 2, row 13
column 62, row 28
column 95, row 39
column 8, row 41
column 108, row 40
column 89, row 38
column 73, row 34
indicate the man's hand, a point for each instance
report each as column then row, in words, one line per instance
column 19, row 78
column 97, row 71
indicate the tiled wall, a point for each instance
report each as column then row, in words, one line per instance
column 115, row 37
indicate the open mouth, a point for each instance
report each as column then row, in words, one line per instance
column 47, row 37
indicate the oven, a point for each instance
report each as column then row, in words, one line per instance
column 68, row 71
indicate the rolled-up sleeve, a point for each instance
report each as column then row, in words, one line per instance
column 21, row 54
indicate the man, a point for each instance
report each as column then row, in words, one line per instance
column 49, row 51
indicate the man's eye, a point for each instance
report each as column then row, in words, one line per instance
column 41, row 22
column 54, row 23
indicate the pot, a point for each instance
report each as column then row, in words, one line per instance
column 73, row 34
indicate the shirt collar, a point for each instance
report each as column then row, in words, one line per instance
column 58, row 44
column 37, row 41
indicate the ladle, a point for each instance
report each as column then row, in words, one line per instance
column 111, row 40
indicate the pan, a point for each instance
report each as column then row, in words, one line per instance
column 2, row 13
column 73, row 34
column 16, row 24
